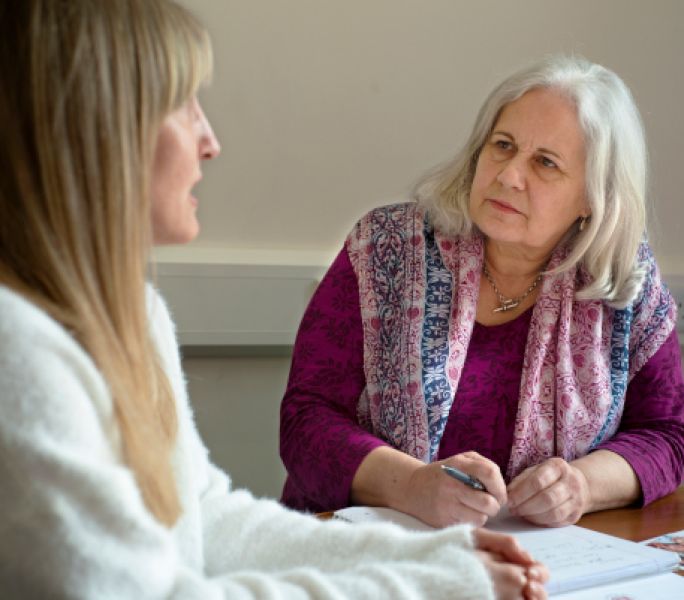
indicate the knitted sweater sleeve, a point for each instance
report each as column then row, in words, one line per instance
column 73, row 523
column 335, row 559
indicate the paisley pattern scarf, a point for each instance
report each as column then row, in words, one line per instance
column 418, row 293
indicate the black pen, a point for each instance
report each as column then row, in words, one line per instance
column 472, row 482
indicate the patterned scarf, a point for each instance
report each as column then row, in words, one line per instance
column 418, row 293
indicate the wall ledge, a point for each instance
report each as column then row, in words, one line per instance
column 219, row 305
column 240, row 305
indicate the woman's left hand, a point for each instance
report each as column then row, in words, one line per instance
column 553, row 493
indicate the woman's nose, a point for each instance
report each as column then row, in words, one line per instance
column 512, row 175
column 209, row 146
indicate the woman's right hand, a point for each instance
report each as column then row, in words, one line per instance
column 439, row 500
column 514, row 573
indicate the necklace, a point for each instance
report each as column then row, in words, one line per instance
column 505, row 303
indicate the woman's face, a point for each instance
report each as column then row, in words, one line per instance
column 185, row 139
column 529, row 184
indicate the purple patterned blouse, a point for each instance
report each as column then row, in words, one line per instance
column 322, row 444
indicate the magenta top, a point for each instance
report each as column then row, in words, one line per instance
column 322, row 444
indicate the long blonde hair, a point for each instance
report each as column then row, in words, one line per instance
column 84, row 86
column 616, row 172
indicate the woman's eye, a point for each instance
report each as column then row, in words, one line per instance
column 503, row 144
column 547, row 162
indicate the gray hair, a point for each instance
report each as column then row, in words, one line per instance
column 616, row 167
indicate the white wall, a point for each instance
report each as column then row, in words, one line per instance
column 326, row 108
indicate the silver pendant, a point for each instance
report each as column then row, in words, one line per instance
column 507, row 305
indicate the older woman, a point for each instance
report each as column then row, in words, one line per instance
column 511, row 323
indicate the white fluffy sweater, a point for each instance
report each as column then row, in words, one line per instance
column 73, row 523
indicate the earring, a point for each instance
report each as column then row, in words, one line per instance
column 583, row 223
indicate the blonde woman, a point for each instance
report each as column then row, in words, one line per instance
column 106, row 489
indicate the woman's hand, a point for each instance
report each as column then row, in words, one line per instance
column 439, row 500
column 553, row 493
column 514, row 572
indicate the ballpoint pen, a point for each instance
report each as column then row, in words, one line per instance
column 470, row 481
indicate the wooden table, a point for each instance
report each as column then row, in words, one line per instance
column 637, row 524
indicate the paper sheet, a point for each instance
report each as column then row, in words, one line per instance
column 576, row 557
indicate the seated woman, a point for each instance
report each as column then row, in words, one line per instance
column 106, row 491
column 511, row 323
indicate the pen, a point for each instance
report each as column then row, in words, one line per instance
column 472, row 482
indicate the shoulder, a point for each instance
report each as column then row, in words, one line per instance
column 402, row 219
column 33, row 340
column 22, row 322
column 49, row 383
column 648, row 320
column 653, row 314
column 653, row 295
column 652, row 304
column 393, row 214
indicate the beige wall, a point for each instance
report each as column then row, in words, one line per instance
column 236, row 402
column 328, row 107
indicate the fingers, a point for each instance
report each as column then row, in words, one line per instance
column 538, row 572
column 503, row 545
column 517, row 481
column 510, row 581
column 507, row 549
column 534, row 480
column 513, row 581
column 534, row 591
column 546, row 501
column 485, row 470
column 439, row 500
column 548, row 494
column 513, row 571
column 477, row 501
column 567, row 513
column 443, row 500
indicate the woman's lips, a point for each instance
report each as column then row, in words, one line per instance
column 503, row 206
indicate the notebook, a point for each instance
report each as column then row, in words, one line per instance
column 577, row 558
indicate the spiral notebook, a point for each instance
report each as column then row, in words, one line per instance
column 577, row 558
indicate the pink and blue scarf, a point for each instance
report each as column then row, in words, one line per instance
column 418, row 293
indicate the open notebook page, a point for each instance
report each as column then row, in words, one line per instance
column 576, row 557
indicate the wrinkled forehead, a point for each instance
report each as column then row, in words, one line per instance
column 543, row 118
